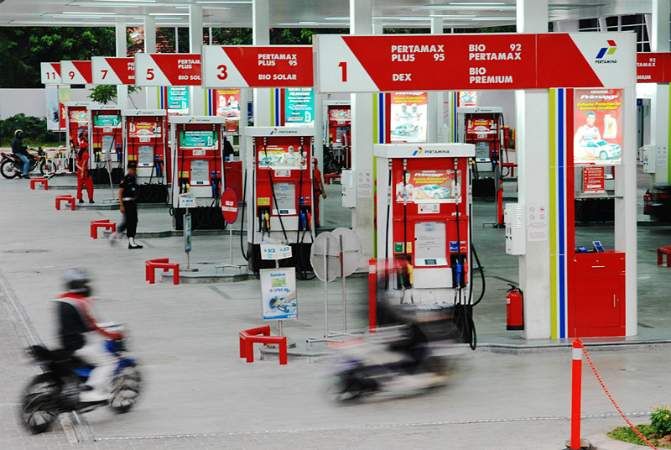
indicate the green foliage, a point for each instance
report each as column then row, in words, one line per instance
column 661, row 420
column 106, row 93
column 34, row 128
column 626, row 434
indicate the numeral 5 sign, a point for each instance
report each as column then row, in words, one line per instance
column 113, row 70
column 50, row 73
column 172, row 69
column 76, row 72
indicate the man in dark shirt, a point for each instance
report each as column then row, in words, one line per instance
column 21, row 151
column 127, row 196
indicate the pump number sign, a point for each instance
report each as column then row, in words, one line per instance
column 50, row 73
column 113, row 70
column 253, row 66
column 76, row 72
column 168, row 69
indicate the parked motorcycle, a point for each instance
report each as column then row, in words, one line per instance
column 11, row 166
column 57, row 390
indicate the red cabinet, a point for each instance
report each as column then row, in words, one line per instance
column 598, row 290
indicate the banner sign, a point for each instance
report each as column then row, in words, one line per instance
column 115, row 71
column 76, row 72
column 473, row 62
column 278, row 293
column 598, row 124
column 254, row 66
column 299, row 106
column 653, row 67
column 50, row 73
column 167, row 69
column 593, row 180
column 408, row 121
column 227, row 103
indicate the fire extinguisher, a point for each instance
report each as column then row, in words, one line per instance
column 514, row 309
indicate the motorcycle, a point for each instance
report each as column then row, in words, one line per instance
column 57, row 390
column 11, row 166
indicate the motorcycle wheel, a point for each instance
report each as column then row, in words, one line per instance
column 127, row 386
column 47, row 167
column 350, row 387
column 39, row 405
column 7, row 169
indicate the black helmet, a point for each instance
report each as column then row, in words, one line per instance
column 19, row 134
column 76, row 281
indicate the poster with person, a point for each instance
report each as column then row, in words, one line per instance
column 597, row 127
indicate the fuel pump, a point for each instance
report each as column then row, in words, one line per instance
column 339, row 137
column 76, row 120
column 483, row 127
column 279, row 187
column 197, row 153
column 145, row 134
column 106, row 142
column 423, row 223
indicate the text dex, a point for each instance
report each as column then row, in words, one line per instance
column 401, row 77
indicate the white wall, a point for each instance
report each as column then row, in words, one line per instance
column 32, row 102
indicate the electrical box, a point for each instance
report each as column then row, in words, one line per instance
column 513, row 216
column 649, row 159
column 348, row 189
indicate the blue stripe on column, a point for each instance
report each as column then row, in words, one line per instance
column 561, row 207
column 380, row 118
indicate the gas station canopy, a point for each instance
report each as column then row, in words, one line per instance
column 299, row 13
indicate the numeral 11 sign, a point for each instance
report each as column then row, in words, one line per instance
column 50, row 73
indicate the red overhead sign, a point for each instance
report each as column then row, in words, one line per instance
column 473, row 62
column 167, row 69
column 254, row 66
column 653, row 67
column 113, row 70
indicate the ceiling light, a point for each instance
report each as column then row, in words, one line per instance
column 462, row 6
column 454, row 16
column 477, row 3
column 168, row 14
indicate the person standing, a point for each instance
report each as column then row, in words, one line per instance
column 127, row 200
column 21, row 151
column 318, row 188
column 83, row 175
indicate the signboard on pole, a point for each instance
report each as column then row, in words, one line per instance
column 113, row 70
column 50, row 73
column 299, row 106
column 229, row 205
column 254, row 66
column 278, row 293
column 76, row 72
column 167, row 69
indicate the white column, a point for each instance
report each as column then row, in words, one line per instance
column 533, row 140
column 196, row 93
column 435, row 99
column 261, row 36
column 659, row 104
column 121, row 50
column 361, row 15
column 150, row 47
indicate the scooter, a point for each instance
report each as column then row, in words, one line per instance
column 57, row 390
column 11, row 166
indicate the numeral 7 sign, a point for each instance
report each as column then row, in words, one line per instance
column 113, row 70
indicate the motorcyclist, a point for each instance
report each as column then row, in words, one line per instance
column 21, row 151
column 80, row 334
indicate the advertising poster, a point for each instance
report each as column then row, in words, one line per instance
column 281, row 157
column 428, row 186
column 53, row 108
column 340, row 115
column 144, row 129
column 593, row 180
column 64, row 95
column 178, row 100
column 197, row 139
column 598, row 116
column 299, row 106
column 468, row 98
column 408, row 116
column 227, row 103
column 278, row 293
column 107, row 120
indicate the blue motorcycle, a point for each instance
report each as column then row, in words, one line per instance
column 57, row 390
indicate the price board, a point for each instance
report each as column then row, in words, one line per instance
column 255, row 66
column 169, row 69
column 113, row 70
column 50, row 73
column 653, row 67
column 76, row 72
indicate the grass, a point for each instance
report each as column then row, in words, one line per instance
column 626, row 434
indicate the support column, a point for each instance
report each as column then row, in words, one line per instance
column 361, row 20
column 121, row 50
column 151, row 92
column 196, row 93
column 435, row 99
column 533, row 139
column 261, row 36
column 659, row 104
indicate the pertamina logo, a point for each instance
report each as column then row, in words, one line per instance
column 274, row 131
column 418, row 151
column 602, row 56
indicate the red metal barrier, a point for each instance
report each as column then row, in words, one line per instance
column 261, row 335
column 576, row 392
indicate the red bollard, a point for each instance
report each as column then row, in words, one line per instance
column 372, row 294
column 576, row 392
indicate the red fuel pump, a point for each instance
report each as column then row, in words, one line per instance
column 146, row 138
column 77, row 119
column 514, row 309
column 106, row 140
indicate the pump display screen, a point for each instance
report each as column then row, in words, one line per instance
column 285, row 193
column 199, row 172
column 107, row 144
column 107, row 120
column 430, row 248
column 197, row 139
column 145, row 155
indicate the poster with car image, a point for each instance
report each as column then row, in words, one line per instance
column 597, row 125
column 429, row 186
column 278, row 293
column 408, row 116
